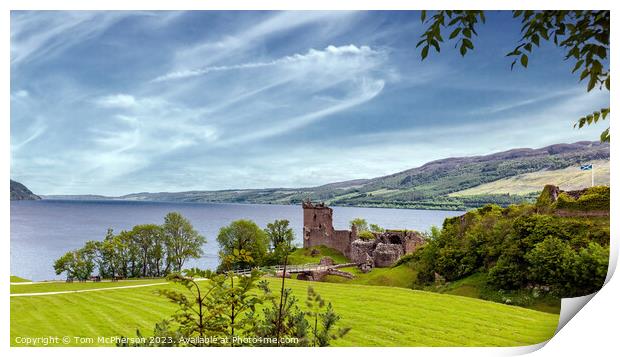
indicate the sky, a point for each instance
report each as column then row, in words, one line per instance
column 116, row 102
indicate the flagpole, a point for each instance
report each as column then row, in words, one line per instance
column 592, row 175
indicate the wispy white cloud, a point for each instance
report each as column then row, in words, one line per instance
column 116, row 101
column 367, row 90
column 212, row 51
column 513, row 104
column 44, row 34
column 344, row 53
column 211, row 100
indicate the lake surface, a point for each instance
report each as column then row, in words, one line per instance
column 41, row 231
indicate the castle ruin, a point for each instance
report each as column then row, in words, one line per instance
column 383, row 251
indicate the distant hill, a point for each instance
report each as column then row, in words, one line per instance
column 429, row 186
column 570, row 179
column 21, row 192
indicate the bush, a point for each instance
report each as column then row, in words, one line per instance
column 517, row 248
column 508, row 273
column 366, row 235
column 593, row 199
column 589, row 269
column 550, row 263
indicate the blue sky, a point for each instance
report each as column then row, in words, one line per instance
column 119, row 102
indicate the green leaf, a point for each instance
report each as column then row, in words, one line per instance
column 524, row 60
column 605, row 135
column 536, row 40
column 423, row 15
column 591, row 83
column 455, row 33
column 607, row 82
column 577, row 65
column 424, row 52
column 584, row 74
column 604, row 112
column 528, row 47
column 468, row 43
column 467, row 32
column 463, row 49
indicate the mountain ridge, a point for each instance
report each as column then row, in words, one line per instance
column 426, row 186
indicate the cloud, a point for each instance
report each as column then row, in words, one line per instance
column 252, row 33
column 116, row 101
column 367, row 90
column 212, row 100
column 343, row 53
column 44, row 34
column 22, row 94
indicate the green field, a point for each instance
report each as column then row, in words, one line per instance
column 304, row 255
column 401, row 276
column 570, row 178
column 378, row 316
column 17, row 279
column 61, row 286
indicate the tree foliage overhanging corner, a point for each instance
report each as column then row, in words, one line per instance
column 582, row 34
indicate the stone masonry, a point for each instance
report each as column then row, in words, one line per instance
column 383, row 251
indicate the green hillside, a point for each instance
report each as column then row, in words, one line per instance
column 569, row 179
column 378, row 316
column 429, row 186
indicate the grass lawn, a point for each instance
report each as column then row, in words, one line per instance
column 475, row 286
column 62, row 286
column 378, row 316
column 401, row 276
column 304, row 255
column 17, row 279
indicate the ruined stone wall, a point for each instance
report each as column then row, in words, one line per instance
column 383, row 251
column 319, row 229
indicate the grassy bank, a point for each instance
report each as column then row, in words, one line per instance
column 61, row 286
column 378, row 316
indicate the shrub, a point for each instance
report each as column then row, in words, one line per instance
column 593, row 199
column 366, row 235
column 550, row 263
column 508, row 273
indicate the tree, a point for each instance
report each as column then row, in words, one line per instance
column 222, row 307
column 582, row 34
column 77, row 264
column 182, row 241
column 281, row 238
column 242, row 237
column 590, row 269
column 279, row 233
column 284, row 319
column 375, row 228
column 360, row 224
column 550, row 262
column 148, row 238
column 322, row 312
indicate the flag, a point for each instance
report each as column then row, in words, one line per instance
column 586, row 167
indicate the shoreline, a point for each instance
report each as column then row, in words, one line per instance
column 115, row 200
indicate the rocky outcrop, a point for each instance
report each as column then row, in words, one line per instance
column 20, row 192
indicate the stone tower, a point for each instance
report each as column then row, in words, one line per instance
column 319, row 229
